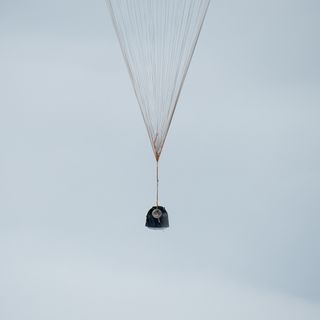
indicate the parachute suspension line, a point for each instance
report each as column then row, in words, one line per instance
column 157, row 177
column 158, row 39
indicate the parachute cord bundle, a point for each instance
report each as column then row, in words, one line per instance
column 157, row 39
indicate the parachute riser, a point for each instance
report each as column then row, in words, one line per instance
column 157, row 181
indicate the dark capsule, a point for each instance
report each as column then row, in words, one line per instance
column 157, row 217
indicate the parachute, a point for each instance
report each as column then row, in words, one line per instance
column 157, row 39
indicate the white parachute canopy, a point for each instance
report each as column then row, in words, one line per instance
column 158, row 38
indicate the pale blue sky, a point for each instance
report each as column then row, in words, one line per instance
column 240, row 173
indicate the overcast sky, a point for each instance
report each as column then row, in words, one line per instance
column 239, row 174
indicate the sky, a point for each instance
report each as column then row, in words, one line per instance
column 239, row 173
